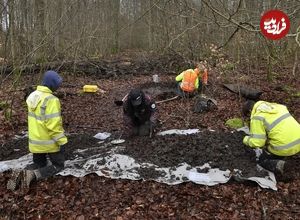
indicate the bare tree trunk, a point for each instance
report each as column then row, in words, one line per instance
column 150, row 25
column 116, row 12
column 11, row 30
column 39, row 33
column 5, row 29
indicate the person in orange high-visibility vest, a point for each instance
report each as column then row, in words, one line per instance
column 188, row 80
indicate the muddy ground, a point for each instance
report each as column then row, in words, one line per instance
column 219, row 149
column 93, row 197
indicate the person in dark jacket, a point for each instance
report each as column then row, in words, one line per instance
column 139, row 113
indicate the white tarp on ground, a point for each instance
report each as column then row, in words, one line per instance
column 117, row 166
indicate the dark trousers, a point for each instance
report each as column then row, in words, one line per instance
column 144, row 129
column 269, row 161
column 40, row 163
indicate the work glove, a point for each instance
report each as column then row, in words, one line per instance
column 62, row 149
column 245, row 130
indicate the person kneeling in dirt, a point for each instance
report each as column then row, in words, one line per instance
column 46, row 134
column 189, row 83
column 272, row 123
column 139, row 113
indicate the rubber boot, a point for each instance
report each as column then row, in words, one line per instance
column 32, row 166
column 15, row 180
column 28, row 177
column 280, row 167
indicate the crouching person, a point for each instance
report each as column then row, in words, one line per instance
column 188, row 82
column 273, row 128
column 139, row 113
column 46, row 134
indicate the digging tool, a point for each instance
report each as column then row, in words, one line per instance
column 118, row 140
column 120, row 102
column 167, row 100
column 151, row 130
column 87, row 127
column 120, row 135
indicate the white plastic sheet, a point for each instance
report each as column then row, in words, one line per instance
column 114, row 164
column 102, row 136
column 178, row 131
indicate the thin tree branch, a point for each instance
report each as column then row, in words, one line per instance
column 295, row 63
column 231, row 36
column 237, row 9
column 297, row 38
column 229, row 18
column 183, row 32
column 277, row 3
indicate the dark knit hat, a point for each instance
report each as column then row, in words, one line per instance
column 52, row 80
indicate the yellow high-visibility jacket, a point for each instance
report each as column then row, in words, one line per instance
column 272, row 123
column 190, row 80
column 46, row 133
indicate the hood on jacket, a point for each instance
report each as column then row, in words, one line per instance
column 34, row 99
column 52, row 80
column 266, row 107
column 136, row 97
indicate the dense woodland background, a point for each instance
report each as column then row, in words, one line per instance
column 223, row 32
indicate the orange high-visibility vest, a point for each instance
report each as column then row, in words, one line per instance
column 188, row 81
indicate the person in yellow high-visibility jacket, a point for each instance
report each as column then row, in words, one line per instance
column 188, row 80
column 45, row 133
column 272, row 125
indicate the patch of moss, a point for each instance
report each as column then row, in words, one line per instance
column 234, row 123
column 297, row 95
column 3, row 105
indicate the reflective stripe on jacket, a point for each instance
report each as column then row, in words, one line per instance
column 45, row 128
column 190, row 80
column 273, row 122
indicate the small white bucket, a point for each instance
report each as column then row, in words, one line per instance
column 155, row 78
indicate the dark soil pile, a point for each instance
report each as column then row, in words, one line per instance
column 220, row 149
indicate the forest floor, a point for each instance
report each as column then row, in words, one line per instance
column 94, row 197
